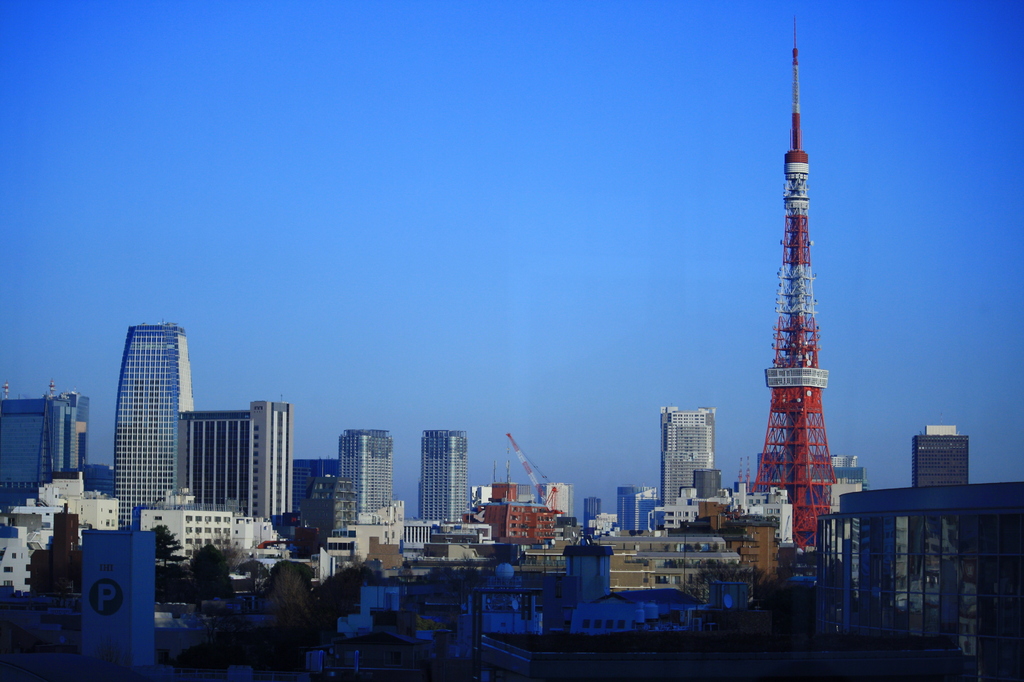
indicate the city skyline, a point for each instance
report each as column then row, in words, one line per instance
column 549, row 221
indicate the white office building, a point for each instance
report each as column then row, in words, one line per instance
column 444, row 489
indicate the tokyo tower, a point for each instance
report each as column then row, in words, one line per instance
column 795, row 455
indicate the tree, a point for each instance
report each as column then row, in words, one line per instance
column 339, row 595
column 761, row 584
column 290, row 595
column 210, row 570
column 166, row 546
column 258, row 574
column 304, row 572
column 171, row 579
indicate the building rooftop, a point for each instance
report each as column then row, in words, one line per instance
column 715, row 642
column 977, row 496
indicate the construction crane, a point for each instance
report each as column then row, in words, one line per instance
column 552, row 495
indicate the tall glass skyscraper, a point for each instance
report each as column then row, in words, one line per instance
column 365, row 458
column 155, row 385
column 39, row 436
column 444, row 491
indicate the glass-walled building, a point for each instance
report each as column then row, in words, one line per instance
column 39, row 436
column 941, row 560
column 154, row 386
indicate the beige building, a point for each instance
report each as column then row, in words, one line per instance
column 193, row 526
column 95, row 511
column 639, row 562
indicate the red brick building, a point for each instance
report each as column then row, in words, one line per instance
column 514, row 521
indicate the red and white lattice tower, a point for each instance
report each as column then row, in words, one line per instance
column 795, row 455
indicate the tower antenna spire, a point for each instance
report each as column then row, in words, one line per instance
column 795, row 136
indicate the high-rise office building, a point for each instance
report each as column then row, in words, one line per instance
column 444, row 490
column 635, row 506
column 365, row 456
column 687, row 444
column 591, row 509
column 240, row 459
column 39, row 436
column 940, row 457
column 154, row 387
column 305, row 469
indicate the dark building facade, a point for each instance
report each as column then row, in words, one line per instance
column 591, row 508
column 707, row 482
column 100, row 478
column 305, row 469
column 929, row 561
column 940, row 457
column 330, row 504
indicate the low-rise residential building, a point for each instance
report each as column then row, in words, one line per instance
column 655, row 562
column 248, row 532
column 14, row 560
column 95, row 511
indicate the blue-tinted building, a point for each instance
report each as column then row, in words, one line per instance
column 591, row 508
column 943, row 560
column 305, row 469
column 154, row 387
column 635, row 508
column 39, row 436
column 99, row 478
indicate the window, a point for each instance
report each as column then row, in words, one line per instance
column 8, row 569
column 586, row 623
column 392, row 658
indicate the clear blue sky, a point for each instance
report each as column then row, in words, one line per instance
column 544, row 218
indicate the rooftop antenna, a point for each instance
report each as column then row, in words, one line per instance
column 796, row 137
column 7, row 390
column 53, row 388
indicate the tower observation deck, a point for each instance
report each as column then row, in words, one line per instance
column 795, row 455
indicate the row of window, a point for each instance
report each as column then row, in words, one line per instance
column 608, row 624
